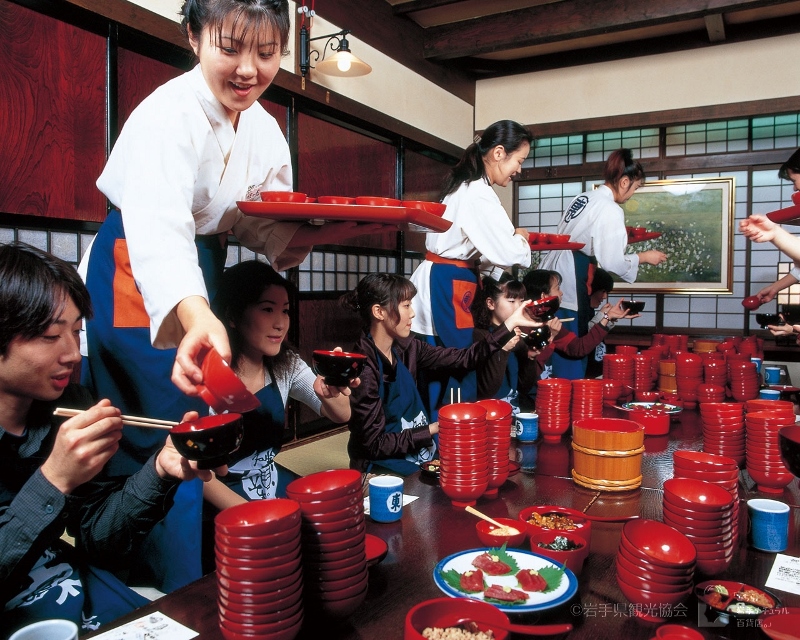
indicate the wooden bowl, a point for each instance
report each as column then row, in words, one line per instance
column 610, row 434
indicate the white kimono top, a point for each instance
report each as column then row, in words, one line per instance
column 176, row 171
column 481, row 229
column 594, row 219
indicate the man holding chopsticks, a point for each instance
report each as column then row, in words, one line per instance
column 51, row 474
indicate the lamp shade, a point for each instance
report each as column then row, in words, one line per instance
column 343, row 64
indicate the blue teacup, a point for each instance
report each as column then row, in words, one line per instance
column 769, row 524
column 772, row 375
column 769, row 394
column 385, row 498
column 527, row 427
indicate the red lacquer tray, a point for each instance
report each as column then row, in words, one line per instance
column 650, row 235
column 790, row 215
column 566, row 246
column 413, row 219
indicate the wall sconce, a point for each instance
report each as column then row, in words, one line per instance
column 342, row 63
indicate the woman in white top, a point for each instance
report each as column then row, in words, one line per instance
column 186, row 155
column 482, row 232
column 596, row 219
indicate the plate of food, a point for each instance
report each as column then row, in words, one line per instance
column 653, row 406
column 514, row 580
column 735, row 599
column 430, row 469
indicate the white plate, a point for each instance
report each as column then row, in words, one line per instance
column 462, row 562
column 661, row 406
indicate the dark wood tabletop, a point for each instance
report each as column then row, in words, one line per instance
column 431, row 529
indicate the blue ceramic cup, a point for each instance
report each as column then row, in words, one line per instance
column 527, row 455
column 769, row 524
column 385, row 498
column 527, row 427
column 772, row 375
column 769, row 394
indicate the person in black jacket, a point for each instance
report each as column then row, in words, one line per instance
column 389, row 425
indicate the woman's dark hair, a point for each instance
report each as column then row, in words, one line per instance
column 34, row 289
column 247, row 14
column 602, row 281
column 240, row 287
column 508, row 134
column 385, row 289
column 492, row 289
column 620, row 164
column 792, row 164
column 538, row 282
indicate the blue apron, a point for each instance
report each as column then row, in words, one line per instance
column 255, row 475
column 452, row 293
column 403, row 408
column 87, row 596
column 575, row 368
column 124, row 367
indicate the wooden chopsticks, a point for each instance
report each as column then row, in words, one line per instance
column 133, row 421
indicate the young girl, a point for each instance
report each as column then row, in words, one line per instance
column 494, row 303
column 253, row 303
column 542, row 283
column 389, row 424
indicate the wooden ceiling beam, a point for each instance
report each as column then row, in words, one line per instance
column 567, row 20
column 405, row 8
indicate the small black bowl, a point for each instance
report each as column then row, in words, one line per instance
column 537, row 337
column 789, row 438
column 209, row 440
column 766, row 319
column 543, row 309
column 337, row 367
column 634, row 306
column 791, row 313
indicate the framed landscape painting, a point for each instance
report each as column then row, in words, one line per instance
column 695, row 219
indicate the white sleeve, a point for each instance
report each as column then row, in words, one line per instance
column 488, row 227
column 610, row 239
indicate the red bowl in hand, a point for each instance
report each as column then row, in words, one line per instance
column 338, row 368
column 222, row 389
column 209, row 440
column 752, row 303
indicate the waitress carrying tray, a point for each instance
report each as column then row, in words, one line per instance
column 407, row 218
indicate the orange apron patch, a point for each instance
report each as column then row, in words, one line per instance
column 463, row 295
column 129, row 309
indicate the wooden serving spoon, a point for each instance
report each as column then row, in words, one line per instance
column 475, row 512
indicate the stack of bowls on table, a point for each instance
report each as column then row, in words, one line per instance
column 620, row 368
column 703, row 512
column 667, row 382
column 464, row 452
column 655, row 567
column 715, row 371
column 743, row 379
column 643, row 372
column 553, row 404
column 607, row 454
column 333, row 534
column 720, row 470
column 626, row 350
column 498, row 436
column 764, row 462
column 259, row 574
column 723, row 429
column 710, row 393
column 612, row 390
column 705, row 346
column 587, row 398
column 760, row 404
column 688, row 376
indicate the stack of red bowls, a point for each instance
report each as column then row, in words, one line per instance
column 553, row 398
column 723, row 429
column 464, row 452
column 259, row 574
column 619, row 368
column 715, row 372
column 710, row 393
column 643, row 372
column 587, row 398
column 655, row 567
column 743, row 379
column 759, row 404
column 688, row 376
column 703, row 512
column 498, row 437
column 764, row 462
column 333, row 533
column 720, row 470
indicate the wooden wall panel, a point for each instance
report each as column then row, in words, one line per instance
column 52, row 129
column 422, row 180
column 277, row 111
column 334, row 161
column 139, row 76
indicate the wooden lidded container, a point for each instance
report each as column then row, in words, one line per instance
column 607, row 453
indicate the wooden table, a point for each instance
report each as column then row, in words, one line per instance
column 431, row 529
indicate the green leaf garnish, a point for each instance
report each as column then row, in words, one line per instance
column 552, row 576
column 452, row 578
column 503, row 603
column 503, row 556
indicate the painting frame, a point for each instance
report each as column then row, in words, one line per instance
column 695, row 217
